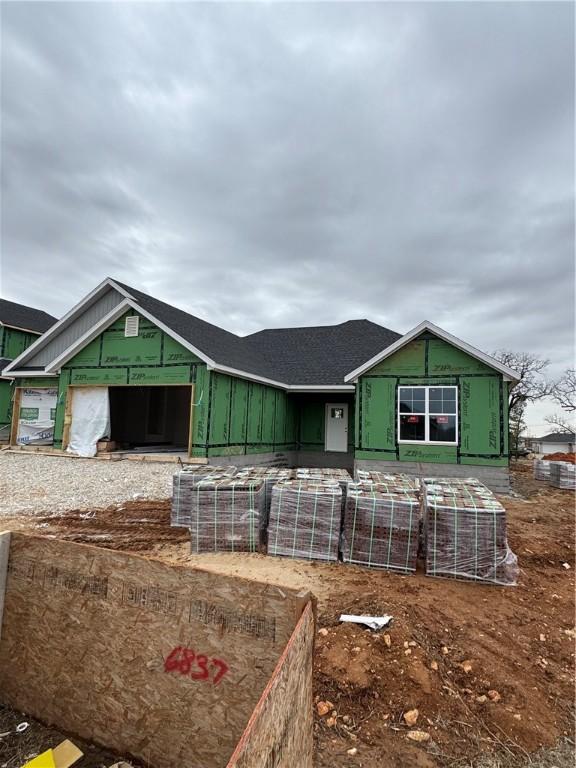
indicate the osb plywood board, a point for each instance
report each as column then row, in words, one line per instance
column 279, row 734
column 163, row 662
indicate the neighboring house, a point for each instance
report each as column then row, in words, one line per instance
column 19, row 327
column 555, row 442
column 353, row 393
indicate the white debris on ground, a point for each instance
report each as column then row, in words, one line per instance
column 38, row 484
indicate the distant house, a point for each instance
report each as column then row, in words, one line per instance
column 20, row 326
column 151, row 377
column 555, row 442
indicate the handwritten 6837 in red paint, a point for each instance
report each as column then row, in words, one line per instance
column 197, row 666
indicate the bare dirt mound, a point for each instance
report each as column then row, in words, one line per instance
column 137, row 526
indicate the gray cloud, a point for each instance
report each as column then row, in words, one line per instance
column 275, row 164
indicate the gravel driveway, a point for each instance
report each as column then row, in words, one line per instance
column 35, row 484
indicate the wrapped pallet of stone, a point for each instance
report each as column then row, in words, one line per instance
column 305, row 518
column 183, row 484
column 326, row 474
column 381, row 524
column 563, row 475
column 226, row 515
column 398, row 481
column 541, row 469
column 269, row 476
column 465, row 533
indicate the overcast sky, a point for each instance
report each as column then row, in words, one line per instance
column 265, row 165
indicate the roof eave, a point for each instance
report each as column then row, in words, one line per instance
column 21, row 328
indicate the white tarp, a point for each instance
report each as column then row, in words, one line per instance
column 36, row 417
column 90, row 419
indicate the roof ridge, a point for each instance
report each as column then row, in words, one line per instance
column 316, row 327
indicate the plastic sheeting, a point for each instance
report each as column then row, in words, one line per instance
column 90, row 419
column 184, row 498
column 305, row 518
column 541, row 469
column 36, row 418
column 226, row 515
column 465, row 533
column 269, row 476
column 381, row 524
column 563, row 475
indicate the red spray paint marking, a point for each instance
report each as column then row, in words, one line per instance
column 187, row 662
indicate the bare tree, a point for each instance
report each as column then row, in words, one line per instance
column 530, row 368
column 560, row 423
column 564, row 391
column 532, row 386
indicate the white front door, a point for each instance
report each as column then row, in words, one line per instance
column 337, row 427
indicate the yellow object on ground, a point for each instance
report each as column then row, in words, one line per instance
column 45, row 760
column 62, row 756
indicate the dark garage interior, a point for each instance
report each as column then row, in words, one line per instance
column 150, row 418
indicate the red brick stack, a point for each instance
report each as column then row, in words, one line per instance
column 183, row 485
column 381, row 524
column 465, row 532
column 226, row 515
column 563, row 475
column 305, row 519
column 269, row 476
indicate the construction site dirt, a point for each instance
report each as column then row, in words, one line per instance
column 483, row 675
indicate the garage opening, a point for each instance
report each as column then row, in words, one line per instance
column 150, row 419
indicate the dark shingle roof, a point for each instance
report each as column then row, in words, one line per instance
column 321, row 354
column 310, row 355
column 27, row 318
column 557, row 437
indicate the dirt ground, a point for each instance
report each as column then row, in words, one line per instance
column 490, row 670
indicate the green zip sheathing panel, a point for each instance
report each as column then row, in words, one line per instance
column 429, row 361
column 33, row 382
column 376, row 406
column 439, row 454
column 13, row 342
column 312, row 426
column 443, row 359
column 200, row 411
column 408, row 361
column 244, row 417
column 5, row 407
column 480, row 416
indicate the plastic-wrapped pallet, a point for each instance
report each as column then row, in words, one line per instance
column 183, row 484
column 269, row 476
column 305, row 518
column 327, row 474
column 399, row 481
column 541, row 469
column 465, row 533
column 381, row 525
column 563, row 475
column 226, row 515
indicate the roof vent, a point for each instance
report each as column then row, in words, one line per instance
column 131, row 325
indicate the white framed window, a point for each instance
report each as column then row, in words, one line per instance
column 428, row 415
column 131, row 325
